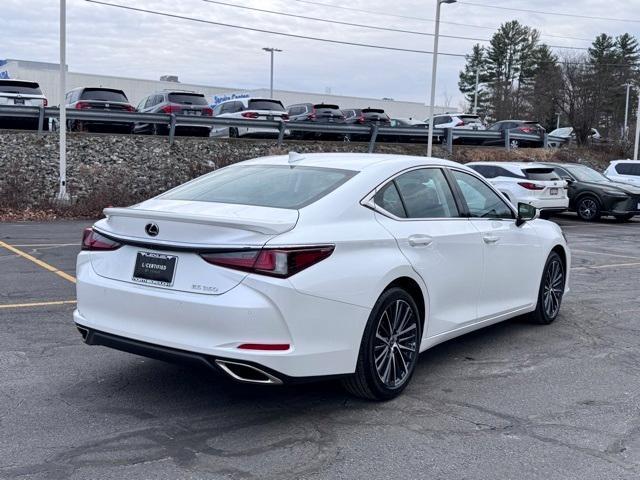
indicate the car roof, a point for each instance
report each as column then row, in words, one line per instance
column 615, row 162
column 2, row 80
column 511, row 164
column 352, row 161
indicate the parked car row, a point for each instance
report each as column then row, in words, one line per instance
column 28, row 93
column 556, row 187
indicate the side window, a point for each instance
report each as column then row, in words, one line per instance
column 141, row 105
column 481, row 200
column 226, row 107
column 237, row 107
column 389, row 199
column 624, row 169
column 425, row 193
column 487, row 171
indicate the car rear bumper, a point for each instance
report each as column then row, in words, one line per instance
column 549, row 204
column 324, row 335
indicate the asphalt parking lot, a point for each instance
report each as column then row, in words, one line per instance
column 513, row 401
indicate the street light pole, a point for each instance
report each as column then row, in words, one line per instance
column 558, row 122
column 626, row 112
column 271, row 51
column 635, row 150
column 475, row 98
column 434, row 72
column 62, row 190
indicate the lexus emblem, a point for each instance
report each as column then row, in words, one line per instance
column 152, row 229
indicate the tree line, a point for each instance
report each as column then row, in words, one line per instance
column 522, row 78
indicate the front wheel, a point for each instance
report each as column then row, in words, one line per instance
column 588, row 208
column 551, row 291
column 389, row 349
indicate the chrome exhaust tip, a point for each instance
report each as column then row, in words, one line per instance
column 247, row 373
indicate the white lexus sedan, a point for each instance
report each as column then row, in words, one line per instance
column 290, row 268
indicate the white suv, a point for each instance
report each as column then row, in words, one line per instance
column 21, row 93
column 459, row 121
column 625, row 171
column 250, row 109
column 531, row 183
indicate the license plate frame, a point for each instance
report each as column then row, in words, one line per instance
column 18, row 101
column 148, row 268
column 554, row 191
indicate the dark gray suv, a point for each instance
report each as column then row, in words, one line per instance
column 179, row 103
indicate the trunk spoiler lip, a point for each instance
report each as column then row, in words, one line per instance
column 175, row 247
column 252, row 225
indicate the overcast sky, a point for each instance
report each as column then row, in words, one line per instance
column 106, row 40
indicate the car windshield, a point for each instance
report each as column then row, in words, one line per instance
column 21, row 88
column 586, row 174
column 277, row 186
column 103, row 95
column 274, row 105
column 187, row 98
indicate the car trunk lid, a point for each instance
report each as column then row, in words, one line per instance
column 163, row 231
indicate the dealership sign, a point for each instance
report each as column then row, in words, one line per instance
column 223, row 98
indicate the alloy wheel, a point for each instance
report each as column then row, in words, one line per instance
column 588, row 208
column 396, row 343
column 553, row 288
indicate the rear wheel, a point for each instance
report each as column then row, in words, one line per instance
column 624, row 218
column 389, row 348
column 588, row 208
column 551, row 291
column 233, row 132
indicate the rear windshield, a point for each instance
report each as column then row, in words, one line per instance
column 102, row 95
column 266, row 105
column 277, row 186
column 188, row 99
column 470, row 119
column 327, row 110
column 372, row 110
column 628, row 169
column 22, row 88
column 541, row 174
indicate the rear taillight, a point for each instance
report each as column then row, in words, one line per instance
column 130, row 108
column 208, row 112
column 526, row 130
column 171, row 109
column 250, row 115
column 45, row 102
column 83, row 105
column 460, row 124
column 531, row 186
column 275, row 262
column 361, row 119
column 91, row 240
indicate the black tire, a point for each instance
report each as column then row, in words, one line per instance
column 156, row 129
column 551, row 291
column 588, row 208
column 233, row 132
column 624, row 218
column 369, row 381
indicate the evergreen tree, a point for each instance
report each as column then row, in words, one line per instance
column 476, row 64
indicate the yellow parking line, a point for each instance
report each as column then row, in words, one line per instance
column 40, row 263
column 37, row 304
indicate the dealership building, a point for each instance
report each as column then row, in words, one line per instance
column 48, row 74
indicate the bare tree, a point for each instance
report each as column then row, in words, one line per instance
column 580, row 97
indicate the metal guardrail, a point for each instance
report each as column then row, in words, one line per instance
column 372, row 133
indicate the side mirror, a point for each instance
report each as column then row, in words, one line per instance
column 568, row 179
column 526, row 212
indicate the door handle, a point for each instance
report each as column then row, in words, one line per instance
column 420, row 240
column 490, row 239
